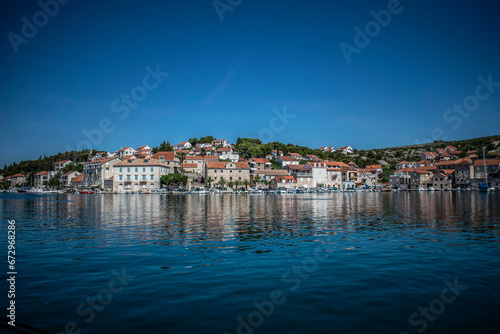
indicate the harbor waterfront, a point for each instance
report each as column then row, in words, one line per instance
column 353, row 262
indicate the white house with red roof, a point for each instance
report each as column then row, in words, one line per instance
column 16, row 179
column 287, row 160
column 345, row 149
column 295, row 155
column 276, row 153
column 220, row 142
column 259, row 164
column 431, row 156
column 225, row 153
column 405, row 164
column 61, row 164
column 185, row 145
column 42, row 177
column 67, row 178
column 170, row 159
column 327, row 149
column 124, row 151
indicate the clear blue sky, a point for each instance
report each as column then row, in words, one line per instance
column 226, row 77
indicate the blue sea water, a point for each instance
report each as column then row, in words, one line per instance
column 305, row 263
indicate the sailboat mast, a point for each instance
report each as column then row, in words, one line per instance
column 484, row 164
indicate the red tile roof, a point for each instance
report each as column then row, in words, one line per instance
column 124, row 149
column 287, row 158
column 336, row 164
column 222, row 164
column 199, row 157
column 261, row 160
column 63, row 161
column 463, row 161
column 242, row 165
column 79, row 178
column 216, row 165
column 42, row 173
column 295, row 167
column 168, row 155
column 488, row 162
column 141, row 162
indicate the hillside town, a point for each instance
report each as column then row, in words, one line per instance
column 218, row 165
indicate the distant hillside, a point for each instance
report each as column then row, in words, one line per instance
column 251, row 148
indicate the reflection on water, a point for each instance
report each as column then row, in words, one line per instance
column 202, row 260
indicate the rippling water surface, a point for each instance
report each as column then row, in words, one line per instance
column 326, row 263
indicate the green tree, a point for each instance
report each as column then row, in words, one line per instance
column 166, row 147
column 222, row 183
column 209, row 181
column 71, row 167
column 246, row 183
column 206, row 140
column 236, row 184
column 182, row 157
column 6, row 184
column 55, row 181
column 256, row 179
column 174, row 179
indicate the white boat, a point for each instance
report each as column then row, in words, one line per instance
column 255, row 191
column 200, row 191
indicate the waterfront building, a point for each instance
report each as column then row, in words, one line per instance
column 99, row 173
column 230, row 171
column 139, row 174
column 443, row 180
column 483, row 169
column 41, row 178
column 269, row 174
column 67, row 178
column 16, row 179
column 284, row 181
